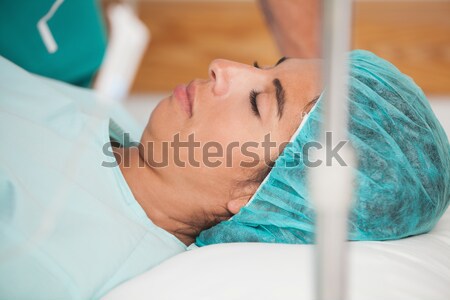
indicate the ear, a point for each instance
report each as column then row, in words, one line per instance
column 234, row 206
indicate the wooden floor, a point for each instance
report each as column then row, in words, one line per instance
column 186, row 36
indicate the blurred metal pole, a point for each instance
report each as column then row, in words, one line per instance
column 331, row 183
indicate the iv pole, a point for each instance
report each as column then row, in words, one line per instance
column 331, row 184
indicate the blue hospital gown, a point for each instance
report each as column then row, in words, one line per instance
column 65, row 234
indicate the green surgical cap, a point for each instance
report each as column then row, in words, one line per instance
column 403, row 173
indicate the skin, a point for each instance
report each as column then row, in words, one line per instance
column 186, row 200
column 296, row 26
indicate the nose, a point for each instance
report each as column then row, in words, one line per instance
column 224, row 72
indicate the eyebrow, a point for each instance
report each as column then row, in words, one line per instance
column 280, row 95
column 281, row 60
column 256, row 65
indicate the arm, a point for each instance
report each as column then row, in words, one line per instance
column 295, row 25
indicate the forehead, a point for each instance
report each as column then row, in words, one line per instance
column 300, row 73
column 302, row 81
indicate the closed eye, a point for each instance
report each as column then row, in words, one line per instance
column 253, row 95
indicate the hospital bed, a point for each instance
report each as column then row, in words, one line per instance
column 412, row 268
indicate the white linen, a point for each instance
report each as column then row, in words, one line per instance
column 411, row 268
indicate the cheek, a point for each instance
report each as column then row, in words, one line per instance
column 230, row 128
column 237, row 144
column 164, row 122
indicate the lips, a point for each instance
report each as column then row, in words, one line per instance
column 184, row 94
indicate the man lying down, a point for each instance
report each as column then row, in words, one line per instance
column 125, row 207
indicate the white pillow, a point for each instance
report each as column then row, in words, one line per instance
column 411, row 268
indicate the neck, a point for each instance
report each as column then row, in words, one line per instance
column 165, row 205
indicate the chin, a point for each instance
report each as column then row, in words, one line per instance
column 164, row 122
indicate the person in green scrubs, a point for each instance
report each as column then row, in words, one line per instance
column 76, row 26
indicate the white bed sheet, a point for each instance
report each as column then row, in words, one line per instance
column 411, row 268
